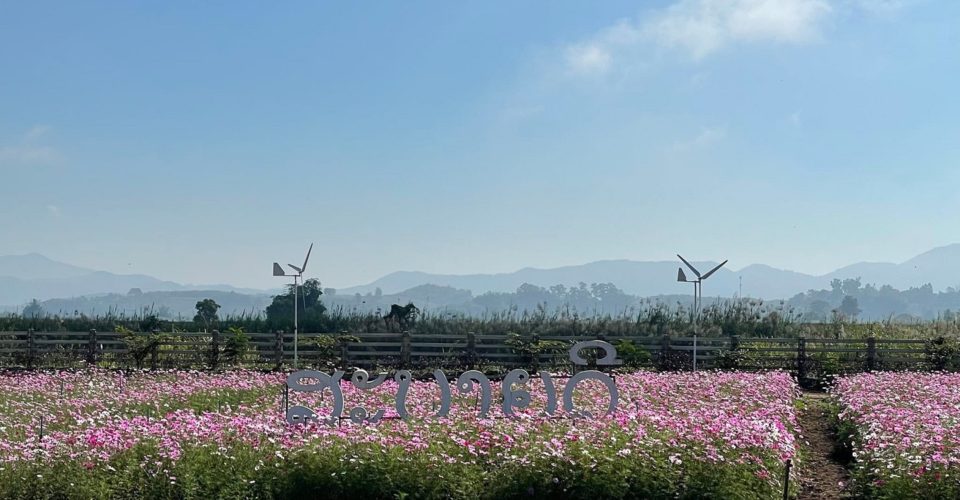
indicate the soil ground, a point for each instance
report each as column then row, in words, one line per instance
column 822, row 473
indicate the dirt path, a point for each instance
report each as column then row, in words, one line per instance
column 822, row 473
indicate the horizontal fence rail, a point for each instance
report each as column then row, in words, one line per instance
column 807, row 357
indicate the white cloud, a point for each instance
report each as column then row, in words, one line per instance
column 27, row 154
column 702, row 27
column 591, row 57
column 36, row 132
column 53, row 210
column 28, row 151
column 708, row 136
column 795, row 119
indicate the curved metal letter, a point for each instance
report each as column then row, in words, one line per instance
column 465, row 384
column 360, row 380
column 589, row 375
column 359, row 414
column 515, row 398
column 551, row 392
column 323, row 381
column 301, row 415
column 609, row 353
column 403, row 378
column 444, row 393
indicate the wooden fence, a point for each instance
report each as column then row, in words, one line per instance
column 807, row 357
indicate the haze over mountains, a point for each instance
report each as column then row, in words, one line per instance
column 33, row 276
column 940, row 267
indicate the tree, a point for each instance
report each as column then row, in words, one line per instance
column 818, row 310
column 207, row 312
column 850, row 307
column 309, row 307
column 34, row 310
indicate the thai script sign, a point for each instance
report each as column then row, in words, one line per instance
column 514, row 396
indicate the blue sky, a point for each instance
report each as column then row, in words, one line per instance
column 200, row 143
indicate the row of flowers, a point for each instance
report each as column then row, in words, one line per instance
column 713, row 431
column 902, row 432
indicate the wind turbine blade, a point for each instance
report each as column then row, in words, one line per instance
column 680, row 275
column 308, row 257
column 690, row 266
column 295, row 268
column 277, row 270
column 705, row 276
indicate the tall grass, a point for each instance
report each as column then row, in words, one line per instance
column 746, row 318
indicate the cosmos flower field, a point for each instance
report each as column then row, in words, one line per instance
column 903, row 431
column 223, row 435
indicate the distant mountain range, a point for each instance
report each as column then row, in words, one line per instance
column 939, row 267
column 33, row 276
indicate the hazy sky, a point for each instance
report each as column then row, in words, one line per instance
column 200, row 143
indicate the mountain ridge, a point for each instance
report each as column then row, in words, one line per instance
column 34, row 276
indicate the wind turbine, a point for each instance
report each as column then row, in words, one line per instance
column 278, row 271
column 697, row 285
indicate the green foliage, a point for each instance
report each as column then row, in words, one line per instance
column 943, row 354
column 530, row 348
column 338, row 471
column 633, row 356
column 140, row 345
column 235, row 345
column 207, row 313
column 330, row 349
column 309, row 308
column 731, row 359
column 849, row 307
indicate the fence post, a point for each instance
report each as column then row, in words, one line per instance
column 154, row 350
column 278, row 349
column 92, row 348
column 31, row 349
column 664, row 351
column 694, row 352
column 471, row 348
column 871, row 353
column 801, row 358
column 344, row 354
column 405, row 349
column 215, row 349
column 786, row 479
column 536, row 352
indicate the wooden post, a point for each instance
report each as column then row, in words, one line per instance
column 801, row 358
column 664, row 350
column 871, row 353
column 278, row 349
column 154, row 351
column 344, row 355
column 405, row 349
column 31, row 349
column 215, row 349
column 734, row 342
column 92, row 348
column 471, row 349
column 536, row 354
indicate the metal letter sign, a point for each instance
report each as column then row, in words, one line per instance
column 514, row 396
